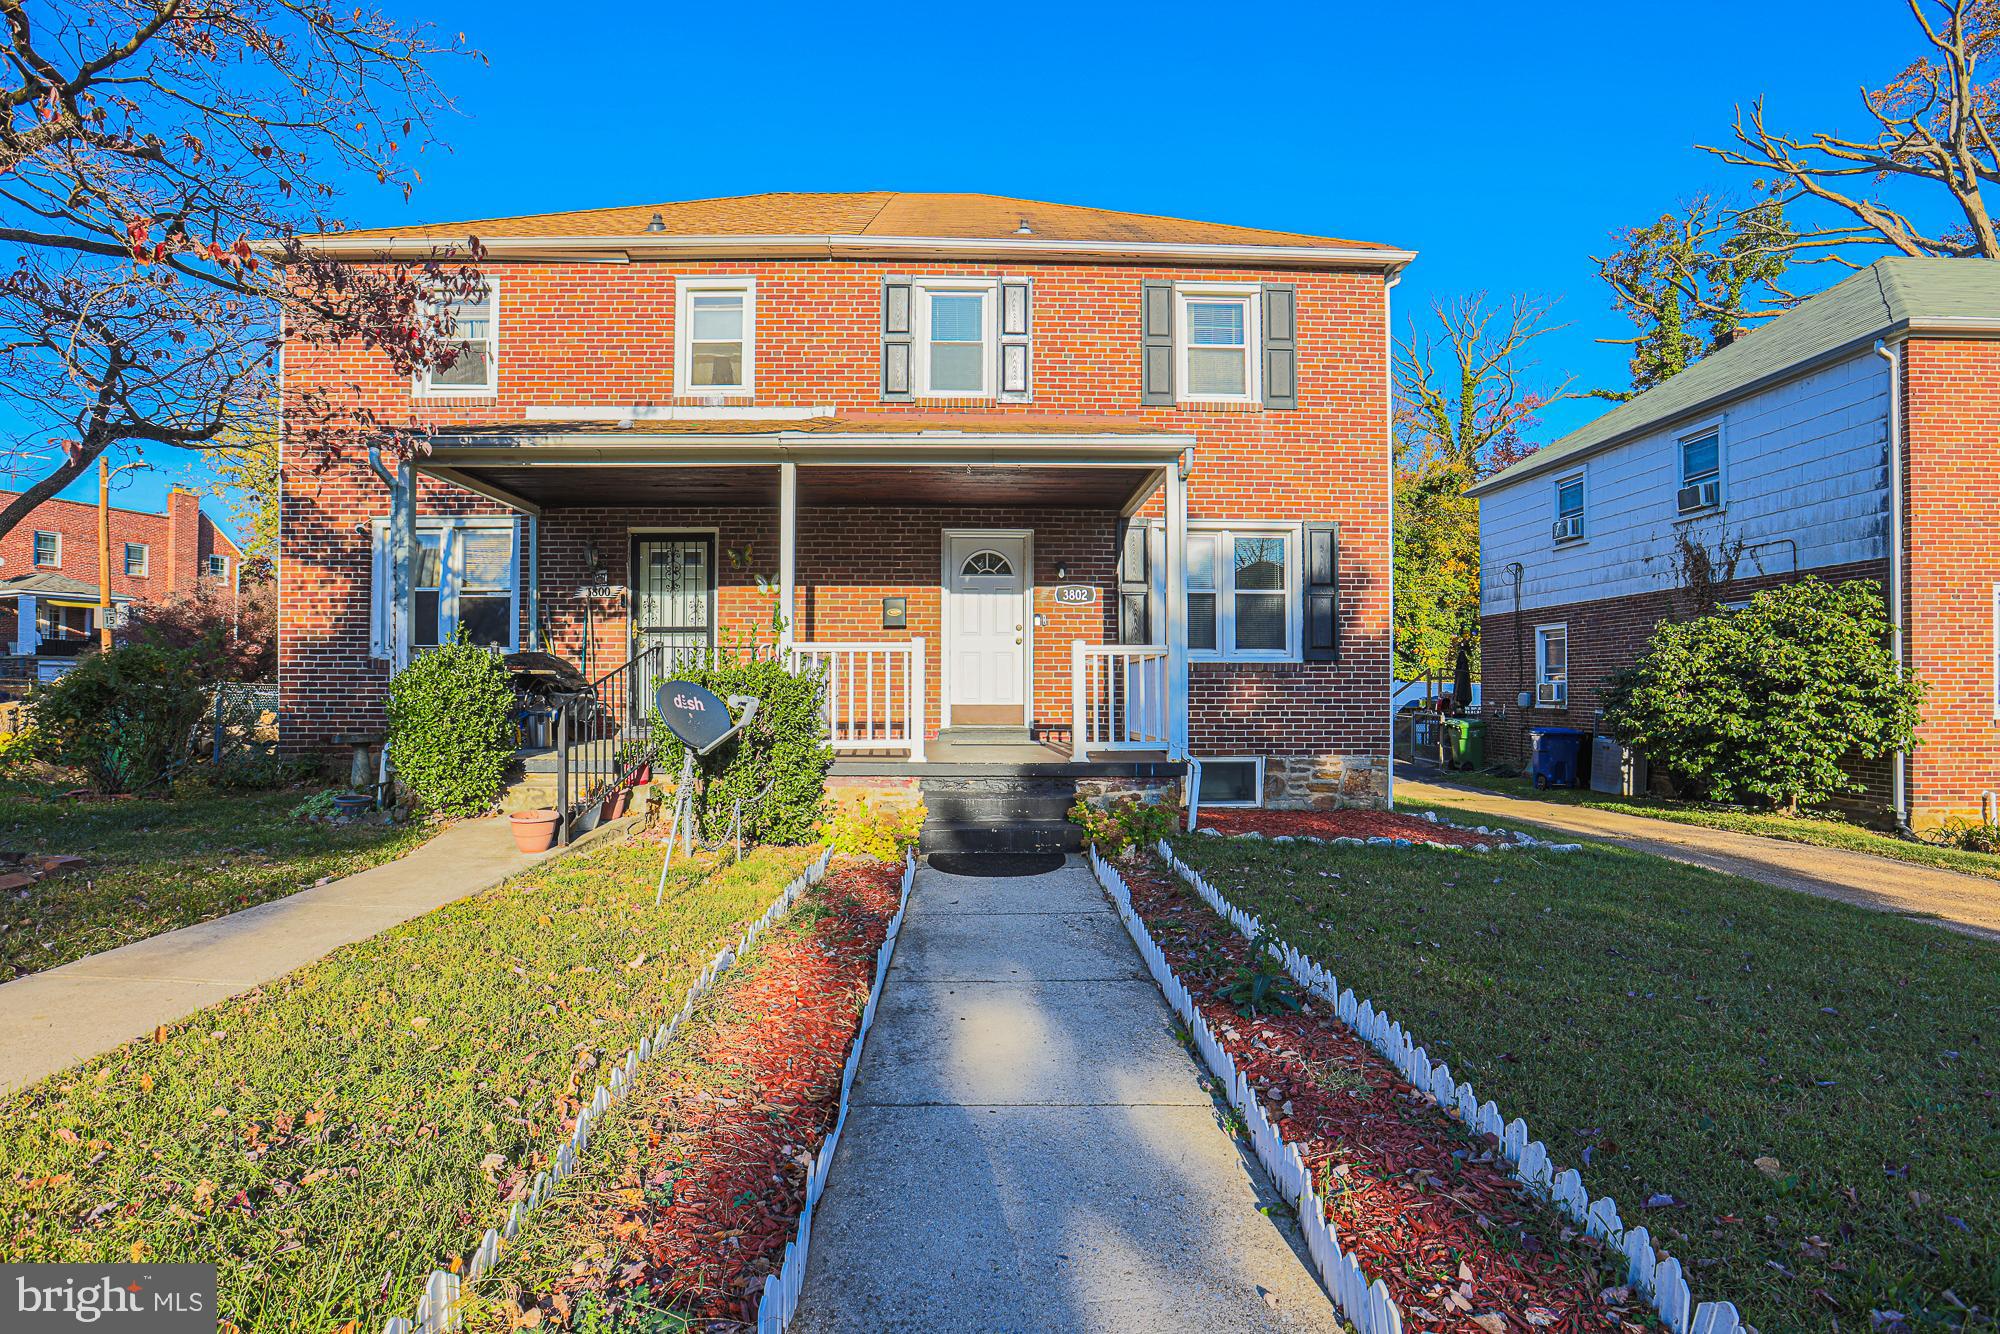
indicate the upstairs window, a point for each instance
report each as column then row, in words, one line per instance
column 135, row 560
column 1701, row 472
column 474, row 339
column 216, row 567
column 1569, row 509
column 1217, row 331
column 715, row 346
column 48, row 549
column 955, row 341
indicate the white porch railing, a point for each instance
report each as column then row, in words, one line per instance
column 1118, row 698
column 874, row 693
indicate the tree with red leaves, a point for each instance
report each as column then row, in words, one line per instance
column 162, row 163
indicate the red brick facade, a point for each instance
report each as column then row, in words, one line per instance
column 578, row 335
column 1951, row 550
column 177, row 542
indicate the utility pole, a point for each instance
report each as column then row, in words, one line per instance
column 104, row 475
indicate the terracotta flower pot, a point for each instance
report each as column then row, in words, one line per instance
column 640, row 776
column 614, row 805
column 534, row 831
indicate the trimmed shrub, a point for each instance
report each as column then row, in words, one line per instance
column 451, row 732
column 784, row 748
column 129, row 718
column 1764, row 705
column 1118, row 828
column 862, row 829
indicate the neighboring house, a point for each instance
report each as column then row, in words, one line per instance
column 49, row 584
column 948, row 432
column 1852, row 437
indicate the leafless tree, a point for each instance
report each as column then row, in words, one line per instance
column 1463, row 391
column 1936, row 127
column 161, row 162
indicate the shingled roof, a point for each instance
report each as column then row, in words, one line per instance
column 1889, row 297
column 879, row 213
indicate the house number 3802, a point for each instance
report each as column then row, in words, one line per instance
column 1076, row 595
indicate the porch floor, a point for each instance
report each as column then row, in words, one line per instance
column 955, row 759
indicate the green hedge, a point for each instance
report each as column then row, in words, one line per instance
column 451, row 732
column 128, row 718
column 785, row 747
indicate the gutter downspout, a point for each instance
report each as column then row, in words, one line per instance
column 402, row 544
column 1389, row 425
column 1900, row 783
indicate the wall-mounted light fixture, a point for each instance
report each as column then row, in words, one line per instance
column 1062, row 571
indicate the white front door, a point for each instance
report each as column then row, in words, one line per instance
column 986, row 627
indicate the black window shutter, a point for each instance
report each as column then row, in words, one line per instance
column 1156, row 375
column 1322, row 592
column 1281, row 345
column 898, row 324
column 1135, row 583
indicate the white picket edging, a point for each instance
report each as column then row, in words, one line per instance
column 780, row 1301
column 1499, row 840
column 1659, row 1280
column 440, row 1308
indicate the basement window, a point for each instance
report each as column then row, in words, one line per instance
column 1232, row 781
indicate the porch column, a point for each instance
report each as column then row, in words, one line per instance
column 788, row 545
column 1177, row 628
column 27, row 635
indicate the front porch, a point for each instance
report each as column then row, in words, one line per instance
column 943, row 577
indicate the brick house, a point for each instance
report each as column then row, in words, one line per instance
column 1844, row 439
column 49, row 582
column 941, row 441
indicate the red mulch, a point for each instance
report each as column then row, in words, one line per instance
column 1338, row 824
column 702, row 1213
column 1420, row 1205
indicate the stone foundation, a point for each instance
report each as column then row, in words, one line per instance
column 1325, row 782
column 1106, row 792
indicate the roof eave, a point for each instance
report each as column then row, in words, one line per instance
column 618, row 249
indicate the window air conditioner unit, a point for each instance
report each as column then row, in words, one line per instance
column 1700, row 496
column 1569, row 528
column 1552, row 692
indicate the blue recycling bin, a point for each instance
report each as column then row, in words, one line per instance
column 1557, row 756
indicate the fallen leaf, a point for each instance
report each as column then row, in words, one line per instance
column 1491, row 1322
column 145, row 1083
column 139, row 1251
column 160, row 1033
column 1770, row 1167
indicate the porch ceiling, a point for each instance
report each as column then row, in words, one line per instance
column 610, row 485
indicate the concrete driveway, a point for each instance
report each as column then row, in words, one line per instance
column 1965, row 903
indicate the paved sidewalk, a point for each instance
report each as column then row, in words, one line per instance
column 1028, row 1148
column 1964, row 903
column 52, row 1020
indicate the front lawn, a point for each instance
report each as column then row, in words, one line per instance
column 1807, row 1093
column 1825, row 830
column 154, row 864
column 330, row 1138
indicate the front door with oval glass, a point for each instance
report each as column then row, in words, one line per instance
column 986, row 628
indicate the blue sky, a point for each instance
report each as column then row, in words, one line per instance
column 1504, row 143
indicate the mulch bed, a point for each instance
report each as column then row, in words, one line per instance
column 1338, row 824
column 1419, row 1204
column 704, row 1204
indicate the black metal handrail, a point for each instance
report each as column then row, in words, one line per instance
column 603, row 736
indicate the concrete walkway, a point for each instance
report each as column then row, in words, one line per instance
column 1965, row 903
column 52, row 1020
column 1028, row 1148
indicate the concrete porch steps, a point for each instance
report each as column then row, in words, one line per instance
column 999, row 813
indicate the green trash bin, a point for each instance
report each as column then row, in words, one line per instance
column 1465, row 743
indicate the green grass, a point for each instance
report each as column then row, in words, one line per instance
column 1824, row 831
column 156, row 864
column 1680, row 1025
column 321, row 1138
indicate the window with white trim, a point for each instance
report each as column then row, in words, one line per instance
column 1215, row 338
column 48, row 549
column 715, row 339
column 1242, row 592
column 464, row 578
column 1569, row 508
column 1551, row 666
column 955, row 339
column 215, row 566
column 475, row 341
column 135, row 560
column 1701, row 471
column 1232, row 781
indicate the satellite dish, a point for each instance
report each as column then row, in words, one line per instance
column 695, row 715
